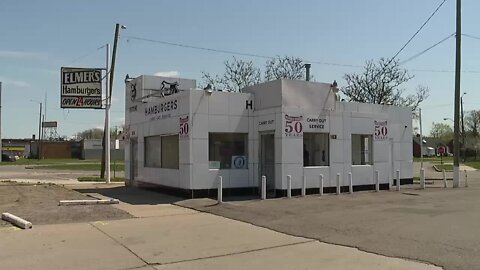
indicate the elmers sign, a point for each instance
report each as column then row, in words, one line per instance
column 81, row 88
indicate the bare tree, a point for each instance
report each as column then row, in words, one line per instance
column 380, row 83
column 287, row 67
column 238, row 75
column 472, row 122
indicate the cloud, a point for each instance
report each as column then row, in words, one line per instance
column 172, row 73
column 22, row 55
column 15, row 83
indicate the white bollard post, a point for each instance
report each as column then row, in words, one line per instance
column 289, row 186
column 466, row 179
column 321, row 185
column 264, row 187
column 350, row 181
column 444, row 179
column 377, row 181
column 422, row 178
column 220, row 189
column 304, row 186
column 398, row 180
column 338, row 184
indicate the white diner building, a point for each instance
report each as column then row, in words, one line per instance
column 181, row 139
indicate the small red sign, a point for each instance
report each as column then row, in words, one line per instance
column 441, row 150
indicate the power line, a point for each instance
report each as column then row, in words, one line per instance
column 419, row 29
column 426, row 50
column 168, row 43
column 471, row 36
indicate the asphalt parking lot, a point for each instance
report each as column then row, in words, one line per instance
column 438, row 226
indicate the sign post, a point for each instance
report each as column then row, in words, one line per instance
column 441, row 152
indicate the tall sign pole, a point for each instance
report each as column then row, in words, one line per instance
column 107, row 119
column 456, row 144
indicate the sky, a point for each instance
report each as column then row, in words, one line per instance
column 38, row 37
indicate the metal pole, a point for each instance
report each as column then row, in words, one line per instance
column 421, row 137
column 377, row 181
column 350, row 183
column 220, row 189
column 338, row 184
column 458, row 67
column 107, row 120
column 304, row 186
column 321, row 185
column 289, row 186
column 398, row 180
column 39, row 131
column 444, row 178
column 264, row 187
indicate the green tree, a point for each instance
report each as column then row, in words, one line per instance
column 441, row 131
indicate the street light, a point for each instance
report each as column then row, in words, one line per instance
column 445, row 119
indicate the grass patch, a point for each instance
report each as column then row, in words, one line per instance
column 98, row 179
column 435, row 159
column 26, row 161
column 473, row 164
column 441, row 167
column 79, row 167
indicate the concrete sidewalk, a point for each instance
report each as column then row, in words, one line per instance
column 166, row 236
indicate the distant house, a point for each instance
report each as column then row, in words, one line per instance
column 430, row 146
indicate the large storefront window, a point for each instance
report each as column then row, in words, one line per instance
column 315, row 149
column 362, row 149
column 152, row 151
column 170, row 149
column 227, row 150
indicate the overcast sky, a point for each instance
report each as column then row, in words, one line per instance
column 39, row 37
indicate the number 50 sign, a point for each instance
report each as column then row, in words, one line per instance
column 184, row 128
column 381, row 130
column 293, row 126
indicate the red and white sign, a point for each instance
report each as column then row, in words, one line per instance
column 381, row 130
column 184, row 127
column 441, row 150
column 293, row 126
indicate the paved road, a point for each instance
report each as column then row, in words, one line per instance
column 439, row 226
column 166, row 236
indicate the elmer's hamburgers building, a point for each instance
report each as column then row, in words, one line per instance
column 181, row 138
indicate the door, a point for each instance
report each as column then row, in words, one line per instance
column 267, row 161
column 133, row 159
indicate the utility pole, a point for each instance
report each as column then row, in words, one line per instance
column 106, row 132
column 39, row 131
column 458, row 54
column 463, row 129
column 421, row 137
column 0, row 121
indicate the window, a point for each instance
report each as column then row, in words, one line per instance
column 152, row 151
column 227, row 150
column 161, row 152
column 362, row 150
column 170, row 156
column 316, row 149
